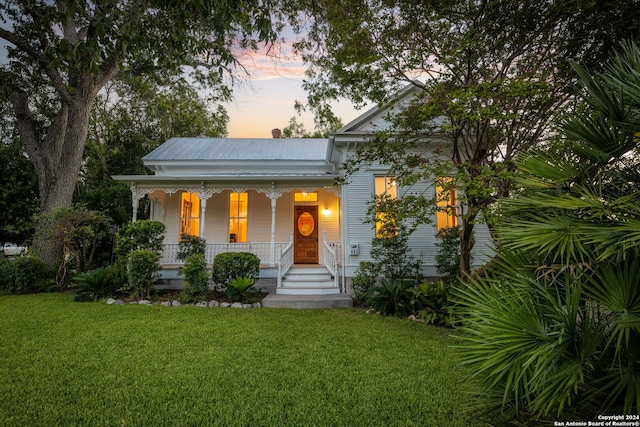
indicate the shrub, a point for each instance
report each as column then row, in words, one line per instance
column 190, row 245
column 241, row 289
column 228, row 266
column 80, row 232
column 142, row 266
column 365, row 277
column 96, row 284
column 196, row 278
column 31, row 275
column 393, row 259
column 144, row 234
column 430, row 301
column 7, row 275
column 448, row 256
column 391, row 297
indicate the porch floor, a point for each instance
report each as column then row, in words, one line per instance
column 307, row 301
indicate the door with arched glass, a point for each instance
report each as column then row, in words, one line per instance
column 305, row 235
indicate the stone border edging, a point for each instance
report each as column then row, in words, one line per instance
column 176, row 303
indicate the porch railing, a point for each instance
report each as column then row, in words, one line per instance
column 286, row 261
column 330, row 259
column 260, row 249
column 284, row 255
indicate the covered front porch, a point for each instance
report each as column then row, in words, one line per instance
column 285, row 224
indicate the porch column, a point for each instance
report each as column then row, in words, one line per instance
column 272, row 245
column 134, row 201
column 202, row 195
column 273, row 193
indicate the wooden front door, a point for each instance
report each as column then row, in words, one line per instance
column 305, row 240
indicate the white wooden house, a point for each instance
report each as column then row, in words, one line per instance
column 277, row 198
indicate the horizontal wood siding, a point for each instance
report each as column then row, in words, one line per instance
column 357, row 195
column 422, row 241
column 172, row 218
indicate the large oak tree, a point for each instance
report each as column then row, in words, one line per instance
column 61, row 54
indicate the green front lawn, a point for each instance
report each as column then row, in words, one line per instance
column 90, row 364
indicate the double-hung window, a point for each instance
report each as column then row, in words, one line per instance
column 238, row 216
column 446, row 200
column 190, row 214
column 386, row 192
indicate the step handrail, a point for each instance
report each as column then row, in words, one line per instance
column 286, row 261
column 330, row 260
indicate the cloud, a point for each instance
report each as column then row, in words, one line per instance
column 271, row 62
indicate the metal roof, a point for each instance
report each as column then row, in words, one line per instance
column 240, row 149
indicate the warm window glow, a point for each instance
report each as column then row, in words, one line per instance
column 190, row 214
column 305, row 197
column 238, row 214
column 386, row 188
column 446, row 216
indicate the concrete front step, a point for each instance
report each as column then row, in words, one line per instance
column 307, row 301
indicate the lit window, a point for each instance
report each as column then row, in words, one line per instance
column 446, row 215
column 306, row 197
column 190, row 214
column 386, row 191
column 238, row 208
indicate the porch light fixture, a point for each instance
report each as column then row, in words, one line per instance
column 326, row 211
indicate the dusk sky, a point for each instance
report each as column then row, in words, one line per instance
column 266, row 99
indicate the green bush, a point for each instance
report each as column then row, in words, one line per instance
column 241, row 289
column 430, row 301
column 393, row 258
column 7, row 275
column 365, row 277
column 228, row 266
column 144, row 234
column 31, row 275
column 448, row 256
column 142, row 266
column 96, row 284
column 190, row 245
column 196, row 278
column 391, row 297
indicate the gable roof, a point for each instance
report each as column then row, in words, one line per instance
column 374, row 119
column 240, row 156
column 239, row 149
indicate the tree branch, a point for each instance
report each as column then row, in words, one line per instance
column 56, row 79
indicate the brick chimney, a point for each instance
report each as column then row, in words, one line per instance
column 276, row 133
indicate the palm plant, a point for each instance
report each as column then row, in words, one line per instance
column 242, row 289
column 556, row 326
column 96, row 284
column 392, row 297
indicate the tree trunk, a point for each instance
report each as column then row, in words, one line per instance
column 57, row 157
column 466, row 245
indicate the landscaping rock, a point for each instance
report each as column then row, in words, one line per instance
column 256, row 305
column 225, row 305
column 144, row 302
column 111, row 301
column 201, row 304
column 166, row 304
column 175, row 303
column 247, row 306
column 236, row 305
column 214, row 303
